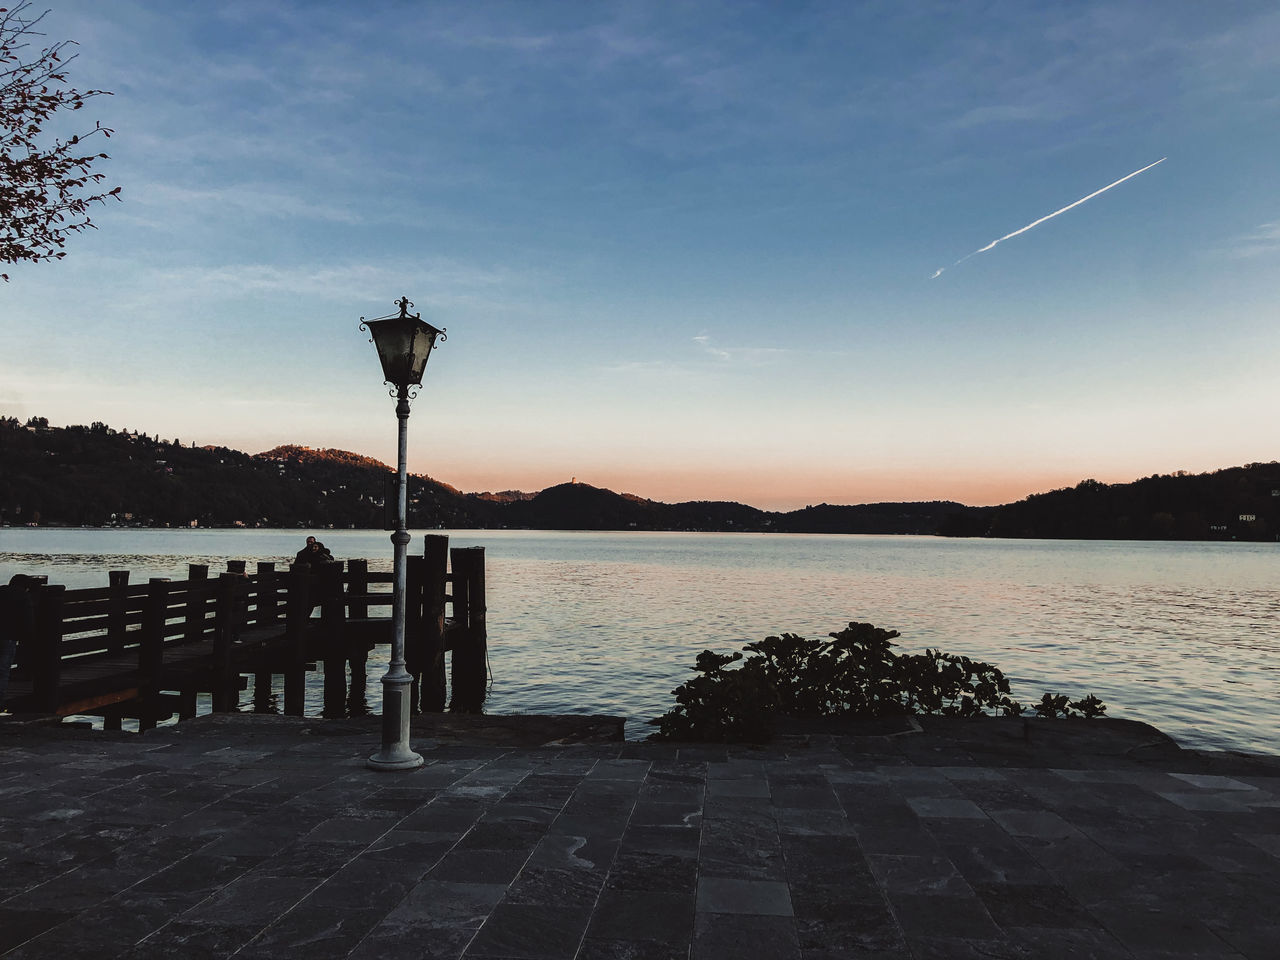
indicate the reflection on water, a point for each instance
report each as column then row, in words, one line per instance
column 1182, row 635
column 265, row 694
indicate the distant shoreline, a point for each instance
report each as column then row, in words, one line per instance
column 95, row 477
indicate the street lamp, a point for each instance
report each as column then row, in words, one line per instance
column 404, row 345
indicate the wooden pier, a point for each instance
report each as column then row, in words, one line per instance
column 146, row 651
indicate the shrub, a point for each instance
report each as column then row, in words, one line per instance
column 1053, row 705
column 722, row 705
column 854, row 673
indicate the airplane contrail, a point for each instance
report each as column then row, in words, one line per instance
column 1055, row 213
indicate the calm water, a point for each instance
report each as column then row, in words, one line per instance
column 1182, row 635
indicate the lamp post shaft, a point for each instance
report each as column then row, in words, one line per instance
column 396, row 753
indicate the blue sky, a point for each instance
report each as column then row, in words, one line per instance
column 681, row 250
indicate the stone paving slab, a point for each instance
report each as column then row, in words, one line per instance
column 254, row 837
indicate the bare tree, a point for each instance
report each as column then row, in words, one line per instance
column 46, row 185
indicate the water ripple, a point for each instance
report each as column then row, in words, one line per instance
column 1180, row 635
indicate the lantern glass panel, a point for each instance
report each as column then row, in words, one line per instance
column 422, row 340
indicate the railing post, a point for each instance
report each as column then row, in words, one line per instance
column 267, row 607
column 358, row 655
column 151, row 652
column 45, row 646
column 266, row 611
column 117, row 609
column 197, row 594
column 358, row 584
column 414, row 654
column 333, row 614
column 297, row 622
column 227, row 617
column 429, row 670
column 471, row 647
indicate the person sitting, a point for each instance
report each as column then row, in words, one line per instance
column 314, row 554
column 314, row 558
column 17, row 624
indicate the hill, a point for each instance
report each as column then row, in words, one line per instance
column 918, row 518
column 95, row 476
column 1236, row 503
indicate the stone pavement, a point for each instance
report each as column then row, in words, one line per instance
column 258, row 837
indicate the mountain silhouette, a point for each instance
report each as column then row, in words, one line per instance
column 96, row 475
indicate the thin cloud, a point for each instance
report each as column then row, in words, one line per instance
column 1264, row 241
column 1001, row 113
column 746, row 356
column 447, row 283
column 524, row 42
column 708, row 360
column 243, row 198
column 704, row 342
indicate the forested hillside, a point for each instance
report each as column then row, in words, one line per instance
column 1240, row 503
column 95, row 475
column 1237, row 503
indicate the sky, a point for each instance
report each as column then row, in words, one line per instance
column 683, row 250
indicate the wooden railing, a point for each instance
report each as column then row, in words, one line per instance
column 146, row 651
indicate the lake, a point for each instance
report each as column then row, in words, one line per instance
column 1185, row 636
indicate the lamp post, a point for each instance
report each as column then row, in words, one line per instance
column 404, row 345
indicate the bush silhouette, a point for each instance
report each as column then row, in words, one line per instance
column 853, row 673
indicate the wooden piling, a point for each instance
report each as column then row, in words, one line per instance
column 47, row 644
column 428, row 668
column 262, row 692
column 357, row 609
column 471, row 646
column 297, row 622
column 333, row 615
column 227, row 611
column 117, row 607
column 358, row 588
column 151, row 652
column 197, row 597
column 267, row 609
column 415, row 590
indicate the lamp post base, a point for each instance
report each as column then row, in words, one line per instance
column 410, row 761
column 396, row 754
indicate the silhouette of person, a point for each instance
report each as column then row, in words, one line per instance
column 314, row 554
column 17, row 623
column 313, row 558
